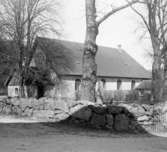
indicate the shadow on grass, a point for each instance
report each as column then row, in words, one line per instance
column 60, row 128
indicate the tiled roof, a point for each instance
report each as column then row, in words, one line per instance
column 111, row 62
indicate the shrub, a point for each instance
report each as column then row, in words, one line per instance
column 145, row 98
column 118, row 95
column 132, row 95
column 108, row 97
column 3, row 91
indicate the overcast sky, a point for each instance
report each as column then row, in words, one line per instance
column 118, row 29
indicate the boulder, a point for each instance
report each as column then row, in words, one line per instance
column 114, row 109
column 127, row 106
column 143, row 118
column 121, row 122
column 61, row 116
column 98, row 120
column 99, row 109
column 84, row 114
column 109, row 121
column 137, row 110
column 76, row 108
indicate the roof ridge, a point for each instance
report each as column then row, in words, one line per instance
column 82, row 43
column 111, row 61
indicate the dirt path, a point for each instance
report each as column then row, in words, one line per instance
column 64, row 138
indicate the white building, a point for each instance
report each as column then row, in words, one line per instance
column 116, row 69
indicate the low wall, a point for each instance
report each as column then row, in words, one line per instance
column 111, row 117
column 44, row 109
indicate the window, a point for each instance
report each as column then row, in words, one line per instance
column 133, row 84
column 119, row 83
column 103, row 83
column 16, row 91
column 77, row 88
column 77, row 84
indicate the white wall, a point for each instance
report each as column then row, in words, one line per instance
column 137, row 83
column 111, row 86
column 12, row 91
column 126, row 85
column 67, row 88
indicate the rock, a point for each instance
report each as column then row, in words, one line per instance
column 143, row 118
column 28, row 112
column 146, row 123
column 85, row 102
column 114, row 109
column 134, row 126
column 7, row 109
column 14, row 110
column 109, row 121
column 164, row 108
column 1, row 106
column 61, row 116
column 137, row 110
column 84, row 114
column 99, row 109
column 121, row 122
column 146, row 107
column 15, row 101
column 127, row 106
column 98, row 120
column 43, row 114
column 76, row 108
column 61, row 105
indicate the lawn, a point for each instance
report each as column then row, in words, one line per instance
column 38, row 137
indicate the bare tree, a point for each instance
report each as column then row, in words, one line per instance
column 21, row 21
column 154, row 16
column 89, row 67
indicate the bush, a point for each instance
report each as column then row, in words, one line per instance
column 3, row 91
column 145, row 98
column 108, row 97
column 118, row 95
column 133, row 95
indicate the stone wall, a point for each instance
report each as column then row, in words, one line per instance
column 112, row 117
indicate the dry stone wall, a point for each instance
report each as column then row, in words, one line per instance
column 112, row 117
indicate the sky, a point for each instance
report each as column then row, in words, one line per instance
column 123, row 28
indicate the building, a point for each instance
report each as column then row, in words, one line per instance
column 116, row 69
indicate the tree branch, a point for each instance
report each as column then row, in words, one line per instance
column 143, row 18
column 113, row 11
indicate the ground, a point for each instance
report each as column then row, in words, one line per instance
column 44, row 137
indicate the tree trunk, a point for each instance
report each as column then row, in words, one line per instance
column 21, row 68
column 89, row 67
column 157, row 74
column 157, row 82
column 165, row 74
